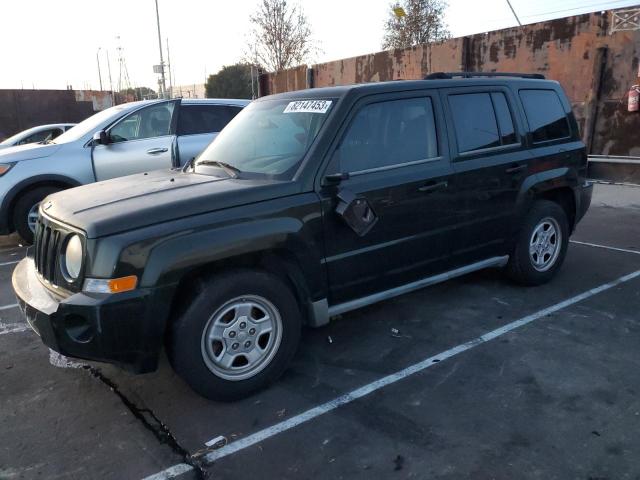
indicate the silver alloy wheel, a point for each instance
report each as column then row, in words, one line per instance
column 32, row 217
column 241, row 337
column 545, row 244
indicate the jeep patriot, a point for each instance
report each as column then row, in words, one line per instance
column 309, row 204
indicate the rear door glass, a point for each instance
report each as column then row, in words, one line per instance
column 545, row 114
column 197, row 119
column 474, row 121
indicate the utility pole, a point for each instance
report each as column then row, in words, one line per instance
column 99, row 74
column 514, row 12
column 113, row 96
column 170, row 71
column 163, row 84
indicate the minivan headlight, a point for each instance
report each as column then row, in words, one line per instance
column 73, row 257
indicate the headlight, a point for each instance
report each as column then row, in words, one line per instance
column 73, row 258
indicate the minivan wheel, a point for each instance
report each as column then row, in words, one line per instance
column 25, row 211
column 236, row 335
column 541, row 244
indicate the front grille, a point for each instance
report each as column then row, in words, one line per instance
column 49, row 241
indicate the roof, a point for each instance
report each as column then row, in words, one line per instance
column 216, row 101
column 403, row 85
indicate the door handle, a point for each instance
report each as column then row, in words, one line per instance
column 432, row 187
column 516, row 169
column 155, row 151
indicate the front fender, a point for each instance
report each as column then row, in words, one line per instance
column 296, row 230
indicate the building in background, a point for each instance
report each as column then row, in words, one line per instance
column 195, row 90
column 22, row 109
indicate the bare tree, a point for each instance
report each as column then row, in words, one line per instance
column 281, row 36
column 420, row 21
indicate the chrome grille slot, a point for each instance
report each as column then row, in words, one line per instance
column 47, row 249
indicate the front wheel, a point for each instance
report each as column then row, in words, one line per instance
column 541, row 244
column 25, row 212
column 237, row 335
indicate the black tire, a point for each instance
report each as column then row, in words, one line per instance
column 521, row 267
column 22, row 207
column 186, row 345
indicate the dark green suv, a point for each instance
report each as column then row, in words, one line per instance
column 308, row 204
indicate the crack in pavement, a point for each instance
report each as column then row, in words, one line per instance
column 152, row 423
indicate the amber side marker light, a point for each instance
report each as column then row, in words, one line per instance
column 5, row 167
column 112, row 285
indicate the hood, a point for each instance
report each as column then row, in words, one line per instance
column 140, row 200
column 31, row 151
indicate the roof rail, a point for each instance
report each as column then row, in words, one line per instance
column 451, row 75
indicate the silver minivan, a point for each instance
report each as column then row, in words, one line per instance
column 122, row 140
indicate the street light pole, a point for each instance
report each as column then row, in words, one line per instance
column 113, row 95
column 99, row 74
column 164, row 84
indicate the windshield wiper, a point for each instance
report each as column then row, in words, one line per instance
column 230, row 169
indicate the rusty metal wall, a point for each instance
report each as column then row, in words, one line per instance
column 595, row 67
column 22, row 109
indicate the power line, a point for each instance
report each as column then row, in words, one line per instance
column 542, row 14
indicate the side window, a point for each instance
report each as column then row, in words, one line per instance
column 39, row 137
column 474, row 121
column 153, row 121
column 546, row 116
column 388, row 133
column 196, row 119
column 505, row 120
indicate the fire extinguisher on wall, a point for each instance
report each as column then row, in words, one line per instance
column 634, row 99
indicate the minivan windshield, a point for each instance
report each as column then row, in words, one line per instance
column 92, row 124
column 268, row 139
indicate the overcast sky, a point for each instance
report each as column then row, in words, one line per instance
column 49, row 44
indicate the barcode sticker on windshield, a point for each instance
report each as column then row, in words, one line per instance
column 308, row 106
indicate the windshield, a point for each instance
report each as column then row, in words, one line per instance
column 267, row 139
column 91, row 124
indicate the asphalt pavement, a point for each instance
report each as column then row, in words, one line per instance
column 474, row 378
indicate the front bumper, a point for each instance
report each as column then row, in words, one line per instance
column 125, row 328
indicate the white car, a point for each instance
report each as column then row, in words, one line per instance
column 38, row 134
column 122, row 140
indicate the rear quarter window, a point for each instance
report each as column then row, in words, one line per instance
column 545, row 114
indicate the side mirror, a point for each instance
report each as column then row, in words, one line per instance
column 101, row 138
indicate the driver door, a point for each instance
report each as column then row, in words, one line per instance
column 141, row 141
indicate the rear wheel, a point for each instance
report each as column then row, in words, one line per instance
column 541, row 244
column 25, row 211
column 237, row 335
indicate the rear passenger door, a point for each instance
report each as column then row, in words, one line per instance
column 490, row 164
column 198, row 125
column 397, row 161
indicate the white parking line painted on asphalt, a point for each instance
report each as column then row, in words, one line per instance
column 606, row 247
column 4, row 264
column 13, row 328
column 58, row 360
column 347, row 398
